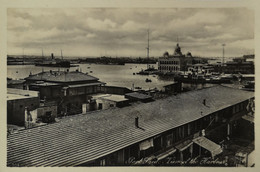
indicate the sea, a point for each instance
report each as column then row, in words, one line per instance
column 112, row 75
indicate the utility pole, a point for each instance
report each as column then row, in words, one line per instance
column 148, row 49
column 223, row 60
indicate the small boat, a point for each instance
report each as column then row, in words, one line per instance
column 133, row 73
column 88, row 67
column 91, row 71
column 138, row 88
column 148, row 80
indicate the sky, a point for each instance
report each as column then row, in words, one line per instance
column 120, row 32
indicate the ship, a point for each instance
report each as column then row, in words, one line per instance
column 54, row 62
column 149, row 70
column 201, row 78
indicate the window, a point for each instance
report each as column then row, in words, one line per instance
column 183, row 131
column 103, row 162
column 216, row 117
column 237, row 108
column 241, row 106
column 81, row 90
column 234, row 109
column 189, row 126
column 100, row 106
column 169, row 140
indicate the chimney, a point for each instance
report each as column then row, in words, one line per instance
column 52, row 57
column 204, row 102
column 136, row 122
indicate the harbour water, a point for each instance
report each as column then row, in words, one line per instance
column 112, row 75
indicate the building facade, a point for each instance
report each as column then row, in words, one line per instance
column 67, row 90
column 174, row 63
column 239, row 65
column 17, row 102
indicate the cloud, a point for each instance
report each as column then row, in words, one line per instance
column 95, row 31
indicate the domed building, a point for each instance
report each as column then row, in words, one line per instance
column 172, row 64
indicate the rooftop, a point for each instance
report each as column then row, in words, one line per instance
column 111, row 97
column 61, row 76
column 12, row 81
column 87, row 84
column 138, row 95
column 81, row 138
column 14, row 94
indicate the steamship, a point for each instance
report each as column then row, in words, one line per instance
column 54, row 62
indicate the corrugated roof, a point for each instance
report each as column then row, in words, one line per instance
column 82, row 138
column 61, row 76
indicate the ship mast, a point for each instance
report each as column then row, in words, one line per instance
column 148, row 49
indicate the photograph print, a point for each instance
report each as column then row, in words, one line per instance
column 130, row 87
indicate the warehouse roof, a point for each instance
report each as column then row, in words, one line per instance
column 110, row 97
column 14, row 94
column 14, row 81
column 61, row 76
column 138, row 95
column 85, row 137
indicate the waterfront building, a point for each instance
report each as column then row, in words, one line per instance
column 174, row 63
column 200, row 69
column 173, row 88
column 19, row 101
column 239, row 65
column 115, row 90
column 12, row 83
column 25, row 110
column 66, row 89
column 106, row 101
column 136, row 96
column 187, row 125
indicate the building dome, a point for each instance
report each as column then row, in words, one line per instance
column 166, row 54
column 177, row 51
column 188, row 54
